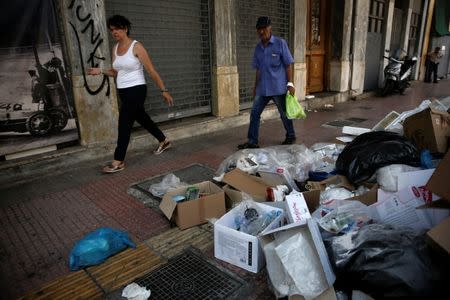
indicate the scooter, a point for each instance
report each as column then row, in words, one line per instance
column 397, row 74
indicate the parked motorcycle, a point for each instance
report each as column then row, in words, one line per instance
column 397, row 74
column 49, row 111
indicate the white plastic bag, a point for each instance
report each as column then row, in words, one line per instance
column 170, row 181
column 302, row 263
column 387, row 177
column 134, row 291
column 336, row 193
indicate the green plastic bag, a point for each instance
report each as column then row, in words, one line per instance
column 293, row 108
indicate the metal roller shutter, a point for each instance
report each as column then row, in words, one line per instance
column 176, row 34
column 248, row 12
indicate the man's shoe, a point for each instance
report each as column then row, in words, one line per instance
column 288, row 141
column 248, row 146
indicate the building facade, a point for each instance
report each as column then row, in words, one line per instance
column 203, row 49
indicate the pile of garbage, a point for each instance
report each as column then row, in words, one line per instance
column 370, row 216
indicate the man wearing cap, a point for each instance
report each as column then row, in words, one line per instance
column 273, row 63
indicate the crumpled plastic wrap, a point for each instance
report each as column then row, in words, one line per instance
column 170, row 181
column 387, row 177
column 134, row 291
column 296, row 159
column 345, row 216
column 384, row 262
column 251, row 220
column 293, row 265
column 334, row 193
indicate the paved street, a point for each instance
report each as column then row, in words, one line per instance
column 42, row 219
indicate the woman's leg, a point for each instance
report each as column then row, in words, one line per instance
column 127, row 116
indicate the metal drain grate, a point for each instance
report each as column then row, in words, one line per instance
column 356, row 120
column 190, row 276
column 345, row 122
column 338, row 123
column 191, row 174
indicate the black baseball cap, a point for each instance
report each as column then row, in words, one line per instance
column 263, row 22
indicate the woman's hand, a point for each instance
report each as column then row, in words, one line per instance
column 94, row 71
column 168, row 98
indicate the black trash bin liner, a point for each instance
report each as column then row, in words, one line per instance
column 387, row 262
column 372, row 150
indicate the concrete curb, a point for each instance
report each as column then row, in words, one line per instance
column 21, row 170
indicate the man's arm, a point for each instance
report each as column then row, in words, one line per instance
column 256, row 82
column 291, row 87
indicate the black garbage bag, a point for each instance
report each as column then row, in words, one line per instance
column 372, row 150
column 385, row 262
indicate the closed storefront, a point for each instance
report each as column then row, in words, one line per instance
column 177, row 36
column 247, row 14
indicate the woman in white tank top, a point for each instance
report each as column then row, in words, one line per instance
column 129, row 59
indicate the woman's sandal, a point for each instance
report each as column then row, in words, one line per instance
column 113, row 169
column 161, row 148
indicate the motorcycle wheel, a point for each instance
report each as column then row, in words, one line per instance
column 39, row 124
column 387, row 88
column 59, row 119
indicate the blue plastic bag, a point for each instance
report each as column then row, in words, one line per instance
column 97, row 246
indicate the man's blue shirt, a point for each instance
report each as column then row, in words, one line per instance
column 271, row 63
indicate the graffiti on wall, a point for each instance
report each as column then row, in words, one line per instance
column 86, row 26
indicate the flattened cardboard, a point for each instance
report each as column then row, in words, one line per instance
column 440, row 237
column 439, row 181
column 428, row 129
column 194, row 212
column 233, row 196
column 246, row 183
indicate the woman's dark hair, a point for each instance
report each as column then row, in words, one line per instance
column 119, row 21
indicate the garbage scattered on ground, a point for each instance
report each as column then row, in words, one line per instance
column 369, row 216
column 97, row 246
column 134, row 291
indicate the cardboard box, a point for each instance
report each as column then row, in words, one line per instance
column 439, row 236
column 439, row 181
column 252, row 185
column 239, row 248
column 313, row 198
column 286, row 237
column 296, row 208
column 428, row 129
column 337, row 180
column 194, row 212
